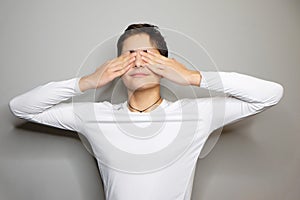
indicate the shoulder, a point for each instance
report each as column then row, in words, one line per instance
column 104, row 106
column 108, row 106
column 186, row 101
column 189, row 103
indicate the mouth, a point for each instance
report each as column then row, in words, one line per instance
column 139, row 74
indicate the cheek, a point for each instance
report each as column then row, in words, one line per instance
column 126, row 75
column 124, row 78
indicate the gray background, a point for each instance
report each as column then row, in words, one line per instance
column 41, row 41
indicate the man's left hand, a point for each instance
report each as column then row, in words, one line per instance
column 170, row 68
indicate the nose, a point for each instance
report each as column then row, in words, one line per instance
column 138, row 59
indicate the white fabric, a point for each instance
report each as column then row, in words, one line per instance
column 247, row 95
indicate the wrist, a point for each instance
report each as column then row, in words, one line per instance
column 195, row 78
column 85, row 83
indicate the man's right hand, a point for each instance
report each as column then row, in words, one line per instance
column 108, row 71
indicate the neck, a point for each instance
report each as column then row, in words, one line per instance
column 142, row 99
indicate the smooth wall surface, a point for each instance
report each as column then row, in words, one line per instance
column 41, row 41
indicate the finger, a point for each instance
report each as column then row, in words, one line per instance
column 123, row 57
column 122, row 61
column 119, row 65
column 152, row 57
column 150, row 61
column 124, row 70
column 157, row 55
column 126, row 57
column 123, row 64
column 156, row 69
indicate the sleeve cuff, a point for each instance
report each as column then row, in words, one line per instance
column 76, row 88
column 212, row 80
column 203, row 82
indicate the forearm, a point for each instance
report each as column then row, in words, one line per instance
column 244, row 87
column 43, row 97
column 247, row 95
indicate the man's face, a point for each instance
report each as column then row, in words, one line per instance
column 139, row 77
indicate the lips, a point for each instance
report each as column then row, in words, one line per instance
column 139, row 74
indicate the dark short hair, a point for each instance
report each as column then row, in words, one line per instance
column 156, row 39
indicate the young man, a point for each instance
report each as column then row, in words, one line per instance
column 160, row 138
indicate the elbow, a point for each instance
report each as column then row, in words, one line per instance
column 278, row 92
column 16, row 106
column 12, row 108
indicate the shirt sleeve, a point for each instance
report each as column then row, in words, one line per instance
column 245, row 95
column 44, row 105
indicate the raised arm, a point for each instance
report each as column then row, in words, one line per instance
column 43, row 104
column 246, row 95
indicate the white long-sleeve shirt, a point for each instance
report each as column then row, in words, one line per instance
column 148, row 156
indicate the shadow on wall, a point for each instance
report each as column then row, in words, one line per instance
column 44, row 129
column 214, row 136
column 44, row 144
column 236, row 168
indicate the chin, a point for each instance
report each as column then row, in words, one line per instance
column 141, row 87
column 140, row 84
column 147, row 86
